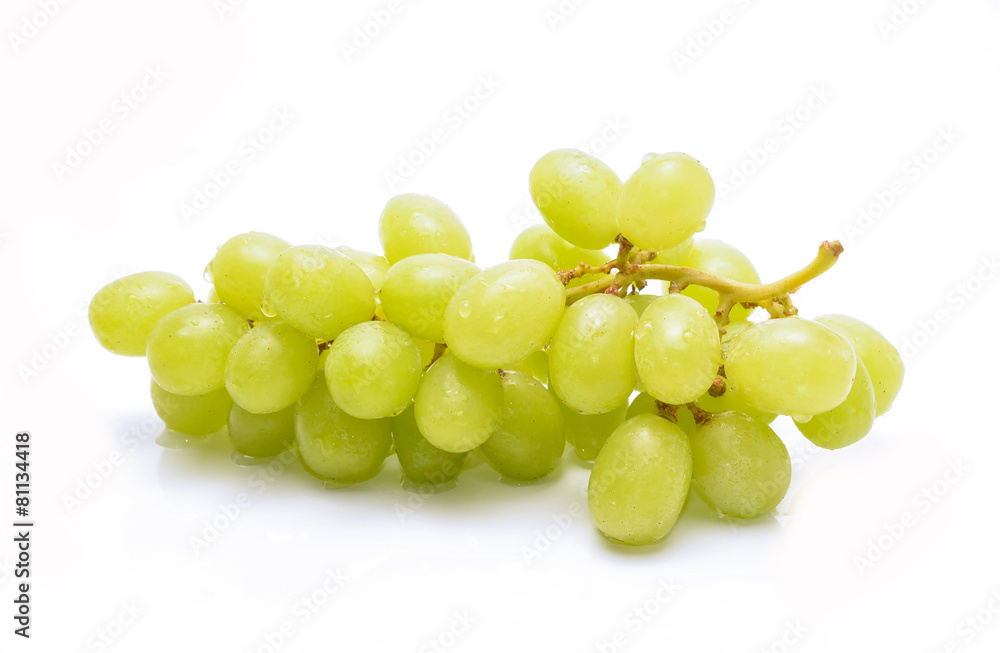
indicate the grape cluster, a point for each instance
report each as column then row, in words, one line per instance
column 347, row 356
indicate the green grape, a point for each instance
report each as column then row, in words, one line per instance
column 536, row 365
column 791, row 366
column 640, row 480
column 529, row 442
column 677, row 255
column 504, row 313
column 677, row 350
column 640, row 303
column 188, row 348
column 577, row 194
column 881, row 359
column 239, row 268
column 732, row 402
column 261, row 435
column 421, row 461
column 592, row 357
column 124, row 312
column 193, row 415
column 213, row 298
column 373, row 370
column 318, row 291
column 848, row 422
column 588, row 433
column 722, row 260
column 426, row 350
column 417, row 291
column 741, row 467
column 374, row 266
column 644, row 404
column 270, row 367
column 417, row 224
column 540, row 243
column 335, row 446
column 732, row 330
column 458, row 406
column 665, row 202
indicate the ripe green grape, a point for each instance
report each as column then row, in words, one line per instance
column 270, row 367
column 732, row 330
column 335, row 446
column 374, row 266
column 677, row 350
column 426, row 350
column 722, row 260
column 193, row 415
column 261, row 435
column 881, row 359
column 848, row 422
column 540, row 243
column 319, row 291
column 640, row 480
column 665, row 202
column 577, row 194
column 588, row 433
column 504, row 313
column 741, row 467
column 677, row 255
column 457, row 406
column 421, row 461
column 791, row 366
column 373, row 370
column 640, row 303
column 536, row 365
column 417, row 224
column 644, row 404
column 529, row 442
column 239, row 268
column 417, row 290
column 188, row 348
column 123, row 313
column 732, row 402
column 592, row 357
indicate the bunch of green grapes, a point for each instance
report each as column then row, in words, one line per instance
column 346, row 357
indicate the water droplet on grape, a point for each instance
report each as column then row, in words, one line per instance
column 701, row 227
column 207, row 274
column 267, row 308
column 465, row 309
column 802, row 419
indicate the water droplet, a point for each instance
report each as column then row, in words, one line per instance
column 249, row 461
column 465, row 309
column 207, row 274
column 802, row 419
column 170, row 439
column 649, row 157
column 267, row 308
column 688, row 335
column 701, row 227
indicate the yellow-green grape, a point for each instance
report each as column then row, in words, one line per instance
column 644, row 404
column 588, row 433
column 319, row 291
column 592, row 357
column 536, row 365
column 676, row 255
column 848, row 422
column 417, row 290
column 421, row 461
column 260, row 435
column 374, row 266
column 741, row 467
column 881, row 359
column 529, row 442
column 677, row 350
column 458, row 406
column 722, row 260
column 665, row 202
column 239, row 268
column 791, row 366
column 417, row 224
column 373, row 370
column 269, row 368
column 213, row 298
column 732, row 330
column 640, row 302
column 640, row 480
column 540, row 243
column 504, row 313
column 188, row 348
column 124, row 312
column 335, row 446
column 194, row 415
column 732, row 402
column 426, row 349
column 577, row 194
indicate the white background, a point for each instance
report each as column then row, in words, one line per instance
column 413, row 568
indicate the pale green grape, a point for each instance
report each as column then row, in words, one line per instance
column 540, row 243
column 124, row 312
column 319, row 291
column 417, row 224
column 741, row 467
column 881, row 359
column 677, row 350
column 665, row 202
column 504, row 313
column 732, row 330
column 335, row 446
column 188, row 348
column 791, row 366
column 373, row 370
column 577, row 194
column 529, row 441
column 848, row 422
column 640, row 480
column 270, row 367
column 676, row 255
column 640, row 302
column 732, row 402
column 536, row 365
column 417, row 290
column 374, row 266
column 194, row 415
column 644, row 404
column 458, row 406
column 722, row 260
column 588, row 433
column 421, row 461
column 213, row 296
column 426, row 349
column 239, row 268
column 260, row 435
column 592, row 357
